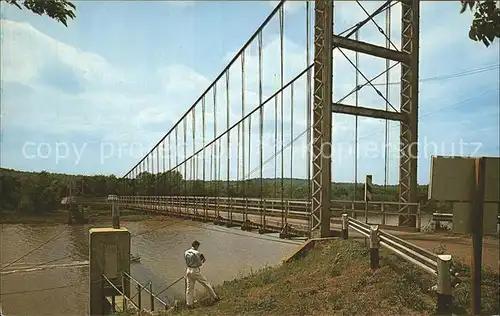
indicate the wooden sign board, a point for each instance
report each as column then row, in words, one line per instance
column 452, row 179
column 462, row 218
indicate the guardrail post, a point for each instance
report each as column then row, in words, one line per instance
column 345, row 226
column 152, row 297
column 374, row 247
column 368, row 195
column 444, row 293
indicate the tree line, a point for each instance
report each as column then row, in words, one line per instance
column 41, row 192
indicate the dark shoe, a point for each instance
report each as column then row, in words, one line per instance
column 216, row 299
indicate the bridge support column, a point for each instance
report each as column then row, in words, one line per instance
column 109, row 254
column 115, row 211
column 322, row 120
column 410, row 16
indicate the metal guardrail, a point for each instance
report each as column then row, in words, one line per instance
column 440, row 266
column 422, row 258
column 149, row 290
column 129, row 301
column 286, row 208
column 122, row 294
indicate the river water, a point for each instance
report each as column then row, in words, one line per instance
column 230, row 254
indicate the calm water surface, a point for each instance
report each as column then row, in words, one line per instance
column 230, row 253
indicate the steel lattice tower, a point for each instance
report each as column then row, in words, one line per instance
column 324, row 43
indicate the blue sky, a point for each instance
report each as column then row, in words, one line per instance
column 101, row 92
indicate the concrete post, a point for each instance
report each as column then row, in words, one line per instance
column 444, row 293
column 374, row 247
column 109, row 254
column 345, row 226
column 115, row 212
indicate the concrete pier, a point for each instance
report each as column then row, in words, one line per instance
column 109, row 254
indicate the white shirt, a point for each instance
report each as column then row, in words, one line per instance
column 192, row 258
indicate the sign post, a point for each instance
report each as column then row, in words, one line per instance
column 473, row 186
column 368, row 194
column 477, row 233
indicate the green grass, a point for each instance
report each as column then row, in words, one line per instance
column 334, row 278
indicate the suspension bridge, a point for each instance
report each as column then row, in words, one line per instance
column 238, row 134
column 239, row 151
column 233, row 153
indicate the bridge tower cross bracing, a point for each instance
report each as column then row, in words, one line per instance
column 408, row 56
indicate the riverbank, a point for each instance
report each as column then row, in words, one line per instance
column 61, row 217
column 334, row 278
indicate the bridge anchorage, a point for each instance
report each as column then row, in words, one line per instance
column 111, row 283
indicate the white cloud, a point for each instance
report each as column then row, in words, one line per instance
column 26, row 51
column 100, row 108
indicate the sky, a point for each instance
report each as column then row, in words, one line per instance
column 94, row 97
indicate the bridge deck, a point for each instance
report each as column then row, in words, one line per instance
column 235, row 216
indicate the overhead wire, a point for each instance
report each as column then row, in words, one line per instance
column 34, row 249
column 472, row 71
column 46, row 262
column 36, row 290
column 450, row 106
column 68, row 256
column 379, row 131
column 464, row 73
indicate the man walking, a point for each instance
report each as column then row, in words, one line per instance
column 194, row 260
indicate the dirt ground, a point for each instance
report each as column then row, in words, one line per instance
column 460, row 247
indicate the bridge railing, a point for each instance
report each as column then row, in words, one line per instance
column 439, row 266
column 148, row 289
column 127, row 302
column 291, row 208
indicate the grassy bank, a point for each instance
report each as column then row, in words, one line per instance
column 61, row 217
column 334, row 278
